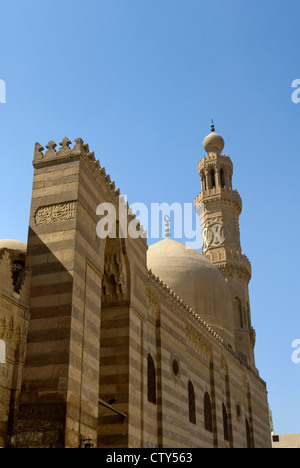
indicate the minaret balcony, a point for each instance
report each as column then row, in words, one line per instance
column 220, row 194
column 230, row 262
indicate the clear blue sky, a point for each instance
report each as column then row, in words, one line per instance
column 140, row 80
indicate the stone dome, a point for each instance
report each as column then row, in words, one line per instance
column 11, row 244
column 214, row 143
column 196, row 281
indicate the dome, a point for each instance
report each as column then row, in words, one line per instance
column 213, row 143
column 11, row 244
column 196, row 281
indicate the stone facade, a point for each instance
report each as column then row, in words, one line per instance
column 98, row 348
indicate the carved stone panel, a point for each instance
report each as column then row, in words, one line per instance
column 198, row 343
column 114, row 287
column 55, row 213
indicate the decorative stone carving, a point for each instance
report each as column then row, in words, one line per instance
column 55, row 213
column 10, row 331
column 114, row 281
column 38, row 151
column 51, row 152
column 213, row 235
column 65, row 147
column 153, row 303
column 223, row 364
column 198, row 343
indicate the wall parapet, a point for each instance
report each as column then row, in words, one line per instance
column 82, row 151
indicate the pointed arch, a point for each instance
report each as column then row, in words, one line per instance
column 192, row 403
column 222, row 178
column 212, row 179
column 151, row 380
column 238, row 313
column 208, row 421
column 116, row 278
column 249, row 422
column 225, row 423
column 248, row 435
column 203, row 181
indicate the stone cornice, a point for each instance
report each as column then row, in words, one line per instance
column 215, row 160
column 224, row 195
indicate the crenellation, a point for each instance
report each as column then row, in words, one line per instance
column 80, row 149
column 96, row 165
column 38, row 152
column 65, row 149
column 22, row 286
column 6, row 272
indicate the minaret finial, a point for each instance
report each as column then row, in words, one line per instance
column 213, row 126
column 167, row 231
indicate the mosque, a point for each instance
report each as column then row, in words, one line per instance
column 109, row 343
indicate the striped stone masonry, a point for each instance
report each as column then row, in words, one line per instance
column 112, row 353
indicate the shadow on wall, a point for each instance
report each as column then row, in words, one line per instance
column 43, row 395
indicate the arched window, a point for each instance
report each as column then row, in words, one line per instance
column 207, row 413
column 225, row 423
column 222, row 178
column 2, row 352
column 238, row 313
column 151, row 380
column 192, row 403
column 203, row 181
column 248, row 435
column 17, row 267
column 212, row 179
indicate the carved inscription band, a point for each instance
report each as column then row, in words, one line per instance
column 55, row 213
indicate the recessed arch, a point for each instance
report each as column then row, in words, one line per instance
column 208, row 421
column 225, row 423
column 212, row 179
column 222, row 178
column 238, row 313
column 192, row 403
column 151, row 380
column 248, row 435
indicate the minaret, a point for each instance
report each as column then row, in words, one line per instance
column 219, row 208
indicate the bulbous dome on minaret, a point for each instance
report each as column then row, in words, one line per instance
column 213, row 143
